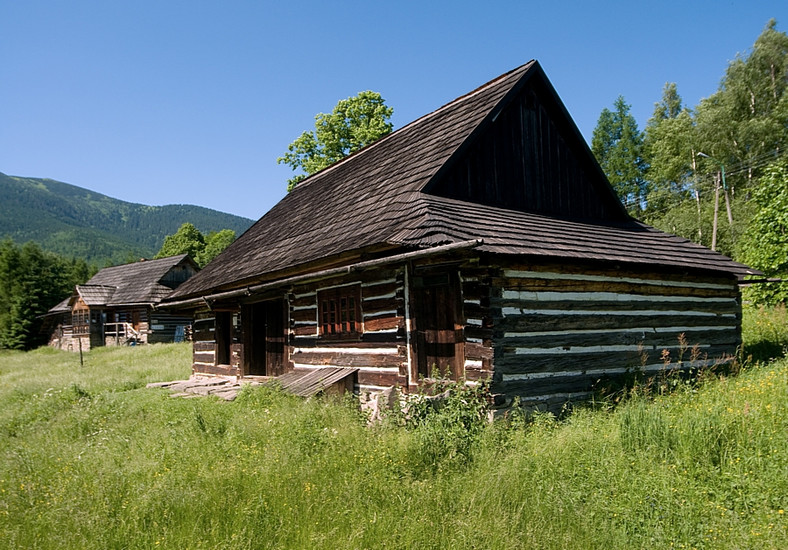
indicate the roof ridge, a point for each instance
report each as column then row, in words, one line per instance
column 149, row 261
column 96, row 286
column 420, row 120
column 464, row 97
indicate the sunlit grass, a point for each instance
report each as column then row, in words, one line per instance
column 90, row 458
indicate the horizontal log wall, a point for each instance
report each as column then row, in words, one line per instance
column 163, row 326
column 381, row 352
column 204, row 349
column 476, row 286
column 558, row 333
column 204, row 360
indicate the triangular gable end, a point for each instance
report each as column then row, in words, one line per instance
column 179, row 273
column 528, row 155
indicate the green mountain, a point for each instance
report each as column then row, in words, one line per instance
column 73, row 221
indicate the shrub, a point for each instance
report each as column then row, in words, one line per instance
column 445, row 425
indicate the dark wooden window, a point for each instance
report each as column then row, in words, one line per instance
column 340, row 312
column 80, row 321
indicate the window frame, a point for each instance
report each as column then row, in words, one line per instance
column 339, row 313
column 80, row 321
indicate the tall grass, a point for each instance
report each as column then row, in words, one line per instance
column 90, row 458
column 765, row 332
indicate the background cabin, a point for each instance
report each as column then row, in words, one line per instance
column 116, row 306
column 481, row 241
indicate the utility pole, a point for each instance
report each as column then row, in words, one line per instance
column 720, row 178
column 716, row 211
column 697, row 198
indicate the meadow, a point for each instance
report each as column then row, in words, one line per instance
column 90, row 458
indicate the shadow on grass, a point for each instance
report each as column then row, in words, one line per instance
column 764, row 333
column 764, row 351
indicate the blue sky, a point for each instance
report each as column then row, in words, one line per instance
column 190, row 101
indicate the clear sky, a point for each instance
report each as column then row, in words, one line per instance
column 192, row 101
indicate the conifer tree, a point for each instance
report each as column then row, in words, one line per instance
column 618, row 146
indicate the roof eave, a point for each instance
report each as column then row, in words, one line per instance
column 248, row 290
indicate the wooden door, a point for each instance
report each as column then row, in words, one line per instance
column 275, row 337
column 263, row 326
column 438, row 335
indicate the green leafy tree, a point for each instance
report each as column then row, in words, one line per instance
column 668, row 148
column 670, row 104
column 693, row 220
column 189, row 240
column 743, row 126
column 354, row 123
column 747, row 118
column 215, row 242
column 765, row 245
column 618, row 146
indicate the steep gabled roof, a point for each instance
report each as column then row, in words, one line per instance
column 95, row 295
column 393, row 194
column 358, row 202
column 143, row 282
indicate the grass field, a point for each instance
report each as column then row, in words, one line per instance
column 90, row 458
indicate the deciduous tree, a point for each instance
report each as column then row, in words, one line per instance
column 668, row 148
column 189, row 240
column 215, row 242
column 354, row 123
column 765, row 245
column 747, row 118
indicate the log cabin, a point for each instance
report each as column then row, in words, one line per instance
column 115, row 307
column 481, row 241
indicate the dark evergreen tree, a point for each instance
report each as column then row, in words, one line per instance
column 31, row 283
column 618, row 146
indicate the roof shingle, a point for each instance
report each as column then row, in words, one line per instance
column 137, row 283
column 376, row 198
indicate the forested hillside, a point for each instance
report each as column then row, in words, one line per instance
column 77, row 222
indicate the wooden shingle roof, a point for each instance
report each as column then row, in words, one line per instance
column 511, row 232
column 138, row 283
column 358, row 202
column 380, row 198
column 62, row 307
column 95, row 295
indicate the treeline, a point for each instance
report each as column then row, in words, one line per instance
column 701, row 172
column 33, row 281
